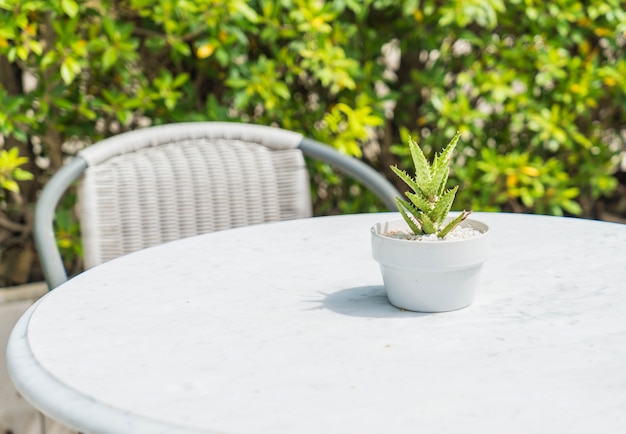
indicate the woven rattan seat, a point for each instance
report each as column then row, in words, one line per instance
column 159, row 184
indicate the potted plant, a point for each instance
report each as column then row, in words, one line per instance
column 430, row 262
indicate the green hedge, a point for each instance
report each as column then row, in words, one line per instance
column 537, row 89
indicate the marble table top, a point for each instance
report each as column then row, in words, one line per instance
column 285, row 328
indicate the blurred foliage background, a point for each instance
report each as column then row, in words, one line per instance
column 537, row 89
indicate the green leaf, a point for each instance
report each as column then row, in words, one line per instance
column 181, row 47
column 236, row 83
column 66, row 73
column 419, row 201
column 108, row 25
column 406, row 178
column 440, row 168
column 526, row 197
column 155, row 43
column 571, row 192
column 20, row 135
column 63, row 103
column 282, row 90
column 222, row 57
column 572, row 207
column 109, row 57
column 70, row 7
column 12, row 54
column 453, row 224
column 9, row 184
column 422, row 167
column 7, row 32
column 50, row 58
column 443, row 159
column 69, row 69
column 22, row 175
column 241, row 99
column 406, row 211
column 180, row 79
column 428, row 226
column 443, row 205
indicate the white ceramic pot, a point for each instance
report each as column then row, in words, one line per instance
column 430, row 276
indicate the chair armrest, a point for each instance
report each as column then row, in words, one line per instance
column 360, row 171
column 45, row 241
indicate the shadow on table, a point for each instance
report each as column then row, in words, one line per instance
column 365, row 301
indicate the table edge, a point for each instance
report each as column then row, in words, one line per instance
column 30, row 379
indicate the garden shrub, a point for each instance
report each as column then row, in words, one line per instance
column 536, row 88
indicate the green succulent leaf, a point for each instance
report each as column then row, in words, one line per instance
column 419, row 201
column 407, row 212
column 406, row 178
column 443, row 205
column 453, row 223
column 440, row 168
column 422, row 167
column 442, row 160
column 428, row 226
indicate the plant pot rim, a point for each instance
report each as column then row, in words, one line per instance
column 399, row 223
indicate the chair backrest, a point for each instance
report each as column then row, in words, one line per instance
column 162, row 183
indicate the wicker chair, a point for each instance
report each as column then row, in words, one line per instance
column 162, row 183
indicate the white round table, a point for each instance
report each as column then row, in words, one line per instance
column 285, row 328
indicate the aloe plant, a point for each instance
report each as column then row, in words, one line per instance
column 429, row 202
